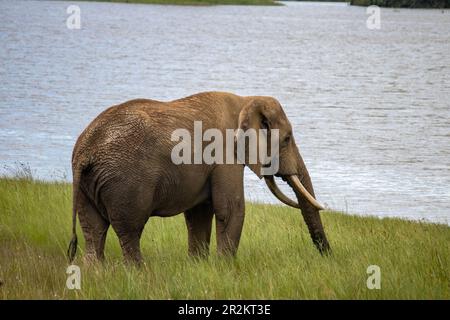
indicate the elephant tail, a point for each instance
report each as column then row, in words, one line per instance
column 72, row 250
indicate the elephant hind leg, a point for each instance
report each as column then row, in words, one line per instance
column 129, row 234
column 128, row 208
column 199, row 223
column 130, row 243
column 94, row 227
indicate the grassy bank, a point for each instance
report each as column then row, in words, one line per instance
column 275, row 260
column 196, row 2
column 403, row 3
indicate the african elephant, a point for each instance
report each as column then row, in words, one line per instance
column 123, row 173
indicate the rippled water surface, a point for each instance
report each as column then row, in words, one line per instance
column 370, row 108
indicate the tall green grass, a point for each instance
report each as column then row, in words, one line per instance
column 276, row 259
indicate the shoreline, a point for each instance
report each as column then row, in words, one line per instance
column 25, row 174
column 402, row 4
column 199, row 3
column 397, row 4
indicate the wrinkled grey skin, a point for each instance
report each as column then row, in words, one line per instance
column 123, row 173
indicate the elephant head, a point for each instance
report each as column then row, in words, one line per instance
column 267, row 113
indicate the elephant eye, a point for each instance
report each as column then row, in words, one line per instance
column 287, row 139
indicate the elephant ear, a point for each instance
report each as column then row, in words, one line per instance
column 255, row 115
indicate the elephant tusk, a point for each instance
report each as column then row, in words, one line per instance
column 297, row 185
column 270, row 181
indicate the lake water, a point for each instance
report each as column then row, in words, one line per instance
column 370, row 108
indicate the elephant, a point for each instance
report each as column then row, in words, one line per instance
column 123, row 174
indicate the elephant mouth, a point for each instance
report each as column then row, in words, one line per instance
column 298, row 188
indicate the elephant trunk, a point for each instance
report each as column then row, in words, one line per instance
column 310, row 209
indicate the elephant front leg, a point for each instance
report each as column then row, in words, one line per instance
column 229, row 207
column 199, row 222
